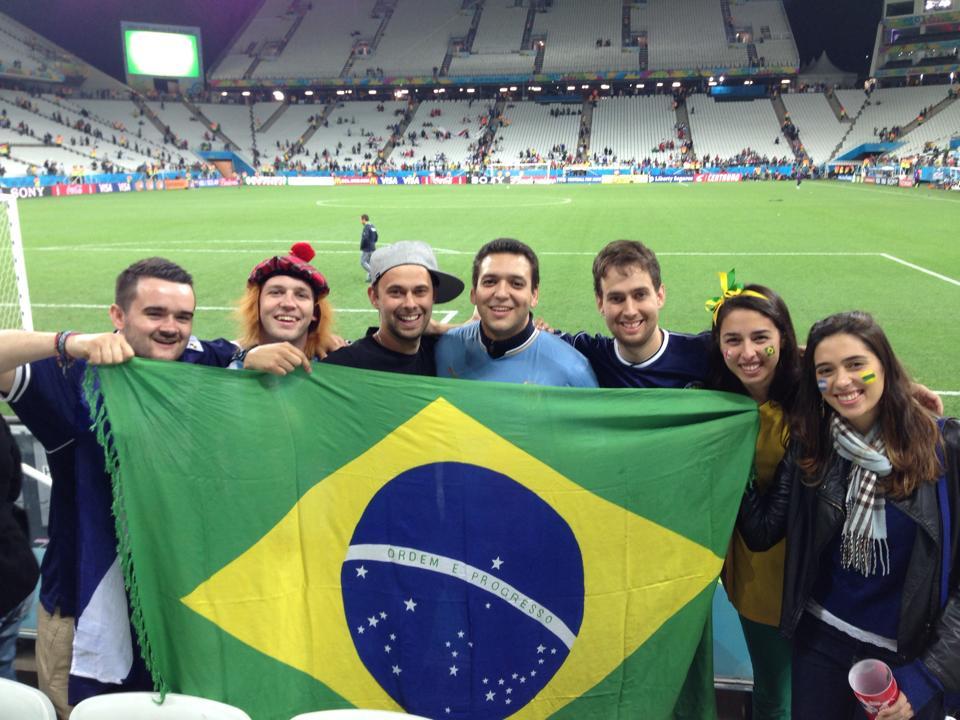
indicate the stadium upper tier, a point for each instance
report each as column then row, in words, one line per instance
column 373, row 39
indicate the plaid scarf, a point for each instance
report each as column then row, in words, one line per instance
column 865, row 527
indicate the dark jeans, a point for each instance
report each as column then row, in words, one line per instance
column 822, row 657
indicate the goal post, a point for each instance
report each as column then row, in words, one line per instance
column 14, row 293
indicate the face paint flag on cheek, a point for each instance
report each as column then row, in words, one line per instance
column 770, row 350
column 868, row 376
column 822, row 384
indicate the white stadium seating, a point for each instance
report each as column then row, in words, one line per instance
column 501, row 27
column 456, row 116
column 632, row 126
column 771, row 30
column 362, row 123
column 528, row 126
column 820, row 131
column 889, row 107
column 728, row 128
column 416, row 38
column 572, row 28
column 694, row 38
column 937, row 130
column 328, row 27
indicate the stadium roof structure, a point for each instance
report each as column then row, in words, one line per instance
column 823, row 70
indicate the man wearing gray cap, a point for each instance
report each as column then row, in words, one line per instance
column 405, row 283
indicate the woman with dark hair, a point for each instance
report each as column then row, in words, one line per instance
column 754, row 352
column 868, row 498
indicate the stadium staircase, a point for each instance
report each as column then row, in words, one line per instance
column 383, row 10
column 401, row 128
column 474, row 25
column 853, row 124
column 940, row 106
column 538, row 61
column 270, row 120
column 321, row 118
column 210, row 125
column 528, row 26
column 586, row 125
column 149, row 114
column 781, row 112
column 683, row 116
column 486, row 141
column 836, row 106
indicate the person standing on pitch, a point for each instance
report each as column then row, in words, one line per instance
column 368, row 243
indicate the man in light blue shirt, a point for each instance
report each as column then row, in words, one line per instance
column 504, row 345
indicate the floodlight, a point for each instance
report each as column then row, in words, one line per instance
column 604, row 87
column 246, row 93
column 223, row 93
column 675, row 84
column 308, row 93
column 371, row 92
column 659, row 84
column 721, row 78
column 513, row 88
column 785, row 81
column 471, row 90
column 278, row 95
column 571, row 87
column 503, row 89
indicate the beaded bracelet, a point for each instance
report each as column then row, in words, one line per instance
column 64, row 359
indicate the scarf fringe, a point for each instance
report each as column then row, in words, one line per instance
column 101, row 427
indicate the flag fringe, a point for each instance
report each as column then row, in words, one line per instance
column 101, row 427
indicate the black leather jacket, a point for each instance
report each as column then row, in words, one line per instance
column 810, row 517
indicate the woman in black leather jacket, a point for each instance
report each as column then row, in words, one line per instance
column 868, row 497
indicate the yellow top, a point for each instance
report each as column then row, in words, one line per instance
column 754, row 581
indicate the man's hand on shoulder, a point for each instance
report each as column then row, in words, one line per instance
column 331, row 344
column 277, row 358
column 99, row 348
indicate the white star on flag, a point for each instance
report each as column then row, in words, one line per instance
column 383, row 615
column 373, row 621
column 540, row 649
column 497, row 562
column 387, row 648
column 397, row 670
column 454, row 653
column 491, row 695
column 411, row 605
column 460, row 634
column 361, row 629
column 453, row 669
column 361, row 572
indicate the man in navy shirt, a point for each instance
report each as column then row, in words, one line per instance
column 41, row 376
column 641, row 354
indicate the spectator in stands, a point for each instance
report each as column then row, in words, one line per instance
column 505, row 345
column 18, row 567
column 405, row 286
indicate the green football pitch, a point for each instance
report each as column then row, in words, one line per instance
column 825, row 247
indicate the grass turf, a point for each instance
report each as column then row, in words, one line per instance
column 819, row 246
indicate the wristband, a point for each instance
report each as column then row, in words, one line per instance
column 64, row 359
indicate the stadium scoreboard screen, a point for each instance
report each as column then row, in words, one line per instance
column 937, row 5
column 162, row 52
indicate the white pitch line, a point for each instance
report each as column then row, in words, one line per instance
column 448, row 316
column 937, row 275
column 204, row 308
column 948, row 393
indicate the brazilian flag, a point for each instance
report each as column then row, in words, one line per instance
column 453, row 549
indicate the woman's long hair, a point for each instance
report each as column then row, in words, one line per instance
column 908, row 431
column 787, row 374
column 248, row 316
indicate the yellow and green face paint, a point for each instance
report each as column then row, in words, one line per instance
column 868, row 376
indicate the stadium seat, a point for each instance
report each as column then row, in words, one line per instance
column 356, row 714
column 24, row 702
column 145, row 706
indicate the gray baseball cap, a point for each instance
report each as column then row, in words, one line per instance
column 412, row 252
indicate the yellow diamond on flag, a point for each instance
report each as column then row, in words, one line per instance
column 283, row 595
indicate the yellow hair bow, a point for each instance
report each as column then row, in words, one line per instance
column 729, row 287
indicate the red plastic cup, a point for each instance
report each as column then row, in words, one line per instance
column 873, row 683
